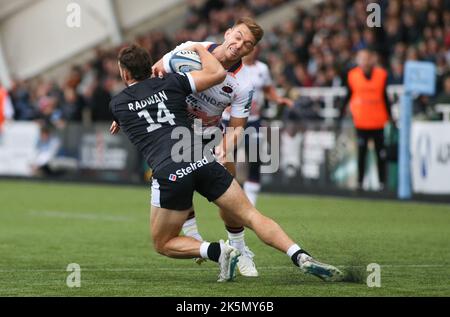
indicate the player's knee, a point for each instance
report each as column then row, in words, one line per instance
column 159, row 246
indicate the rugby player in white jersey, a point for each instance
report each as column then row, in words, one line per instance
column 236, row 91
column 259, row 76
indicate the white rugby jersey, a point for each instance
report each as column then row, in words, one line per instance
column 235, row 91
column 259, row 76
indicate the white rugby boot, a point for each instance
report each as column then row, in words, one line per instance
column 323, row 271
column 246, row 265
column 228, row 260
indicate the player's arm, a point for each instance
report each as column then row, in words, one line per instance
column 271, row 94
column 115, row 128
column 212, row 72
column 161, row 67
column 158, row 69
column 231, row 139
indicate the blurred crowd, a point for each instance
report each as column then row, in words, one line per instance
column 316, row 48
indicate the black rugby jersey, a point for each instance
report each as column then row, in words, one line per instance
column 148, row 111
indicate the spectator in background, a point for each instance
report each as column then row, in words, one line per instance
column 99, row 101
column 370, row 110
column 422, row 109
column 49, row 112
column 21, row 99
column 6, row 107
column 47, row 148
column 314, row 48
column 72, row 105
column 444, row 96
column 396, row 72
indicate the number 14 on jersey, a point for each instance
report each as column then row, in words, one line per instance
column 163, row 116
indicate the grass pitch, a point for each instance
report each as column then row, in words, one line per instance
column 44, row 227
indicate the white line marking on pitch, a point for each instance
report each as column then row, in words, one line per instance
column 209, row 268
column 78, row 216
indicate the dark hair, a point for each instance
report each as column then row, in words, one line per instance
column 137, row 61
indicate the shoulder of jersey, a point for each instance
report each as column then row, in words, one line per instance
column 205, row 44
column 189, row 43
column 262, row 65
column 243, row 75
column 118, row 97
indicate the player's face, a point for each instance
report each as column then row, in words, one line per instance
column 239, row 42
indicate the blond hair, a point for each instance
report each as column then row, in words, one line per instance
column 254, row 27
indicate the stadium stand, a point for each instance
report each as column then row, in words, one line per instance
column 311, row 50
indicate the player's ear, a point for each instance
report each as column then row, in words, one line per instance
column 123, row 72
column 227, row 33
column 126, row 75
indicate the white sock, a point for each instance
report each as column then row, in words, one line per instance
column 237, row 240
column 204, row 250
column 252, row 189
column 292, row 249
column 190, row 229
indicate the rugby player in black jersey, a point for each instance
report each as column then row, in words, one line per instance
column 148, row 111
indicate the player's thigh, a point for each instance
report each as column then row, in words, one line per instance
column 171, row 201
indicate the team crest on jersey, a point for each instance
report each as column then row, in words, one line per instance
column 172, row 177
column 227, row 89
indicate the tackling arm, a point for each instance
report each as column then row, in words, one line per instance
column 212, row 72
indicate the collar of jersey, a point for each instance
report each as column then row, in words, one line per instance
column 233, row 69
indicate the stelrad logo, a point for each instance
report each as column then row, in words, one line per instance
column 181, row 172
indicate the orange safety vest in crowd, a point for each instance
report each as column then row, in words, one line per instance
column 367, row 103
column 3, row 94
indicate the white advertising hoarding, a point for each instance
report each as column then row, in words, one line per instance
column 430, row 157
column 18, row 148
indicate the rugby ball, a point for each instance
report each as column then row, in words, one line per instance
column 185, row 61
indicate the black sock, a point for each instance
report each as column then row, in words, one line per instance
column 234, row 229
column 214, row 251
column 294, row 256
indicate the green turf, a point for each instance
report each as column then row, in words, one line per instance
column 44, row 227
